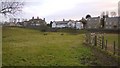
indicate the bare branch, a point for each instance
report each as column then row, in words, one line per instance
column 10, row 7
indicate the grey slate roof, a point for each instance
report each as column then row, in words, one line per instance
column 61, row 22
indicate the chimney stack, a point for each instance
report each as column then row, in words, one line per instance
column 63, row 19
column 44, row 19
column 33, row 17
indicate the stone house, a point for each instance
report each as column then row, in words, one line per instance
column 112, row 23
column 109, row 23
column 93, row 23
column 36, row 22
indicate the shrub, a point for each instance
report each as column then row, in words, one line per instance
column 45, row 34
column 62, row 34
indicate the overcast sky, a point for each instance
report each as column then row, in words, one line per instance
column 67, row 9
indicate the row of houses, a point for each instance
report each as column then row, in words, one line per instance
column 33, row 22
column 91, row 23
column 67, row 24
column 108, row 23
column 37, row 22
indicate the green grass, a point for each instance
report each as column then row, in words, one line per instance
column 110, row 43
column 27, row 47
column 111, row 38
column 71, row 31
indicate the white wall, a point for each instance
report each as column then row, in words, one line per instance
column 71, row 24
column 79, row 25
column 61, row 26
column 53, row 25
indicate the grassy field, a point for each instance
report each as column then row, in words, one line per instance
column 111, row 38
column 110, row 42
column 27, row 47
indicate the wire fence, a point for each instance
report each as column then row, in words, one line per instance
column 99, row 40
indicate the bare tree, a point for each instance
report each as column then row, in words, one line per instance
column 107, row 13
column 88, row 16
column 113, row 14
column 10, row 6
column 84, row 22
column 102, row 14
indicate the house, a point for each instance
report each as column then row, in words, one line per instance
column 67, row 24
column 79, row 25
column 71, row 24
column 59, row 24
column 12, row 24
column 112, row 23
column 93, row 23
column 109, row 23
column 36, row 22
column 9, row 24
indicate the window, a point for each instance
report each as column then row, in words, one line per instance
column 110, row 23
column 89, row 27
column 106, row 23
column 110, row 27
column 106, row 26
column 114, row 26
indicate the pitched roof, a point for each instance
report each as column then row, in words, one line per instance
column 61, row 22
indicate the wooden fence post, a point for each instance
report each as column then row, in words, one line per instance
column 86, row 38
column 106, row 45
column 114, row 48
column 89, row 38
column 95, row 43
column 102, row 42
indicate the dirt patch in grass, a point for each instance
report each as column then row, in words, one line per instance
column 89, row 61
